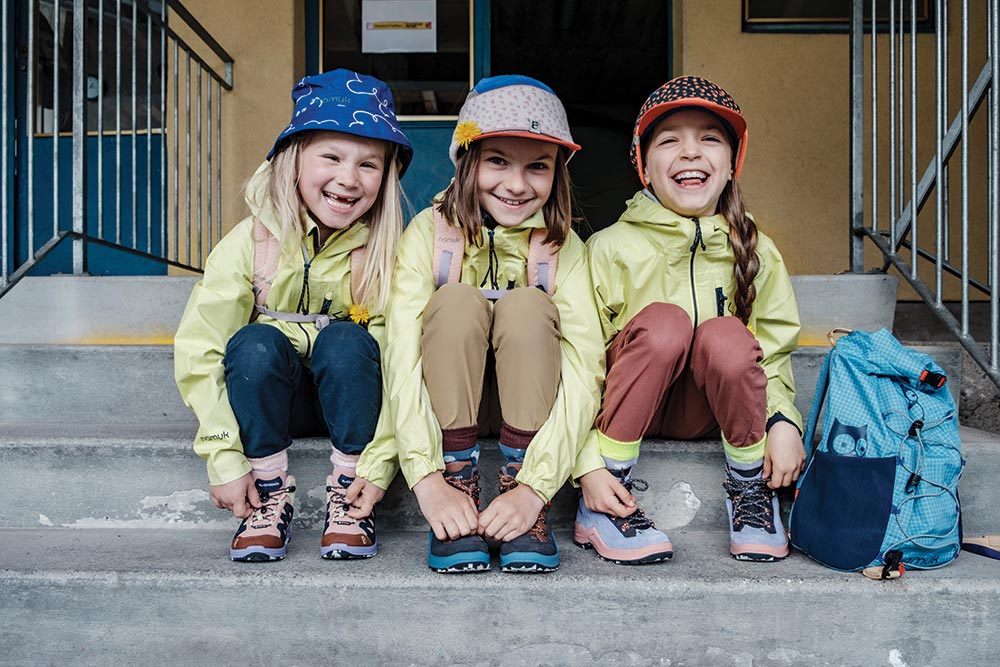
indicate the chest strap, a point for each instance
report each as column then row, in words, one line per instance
column 266, row 253
column 449, row 250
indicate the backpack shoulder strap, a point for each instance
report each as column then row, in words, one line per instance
column 543, row 260
column 449, row 249
column 357, row 270
column 266, row 253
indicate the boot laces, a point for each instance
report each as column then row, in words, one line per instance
column 751, row 501
column 335, row 496
column 270, row 503
column 540, row 527
column 469, row 486
column 638, row 518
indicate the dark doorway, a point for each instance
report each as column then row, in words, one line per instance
column 602, row 59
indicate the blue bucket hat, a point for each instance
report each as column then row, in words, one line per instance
column 349, row 102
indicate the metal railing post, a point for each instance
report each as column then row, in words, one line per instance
column 857, row 253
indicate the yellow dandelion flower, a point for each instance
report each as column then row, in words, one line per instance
column 466, row 131
column 358, row 313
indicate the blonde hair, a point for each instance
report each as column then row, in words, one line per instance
column 461, row 199
column 384, row 218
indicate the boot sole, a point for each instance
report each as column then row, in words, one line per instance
column 588, row 539
column 529, row 562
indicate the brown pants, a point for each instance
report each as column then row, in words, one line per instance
column 669, row 380
column 520, row 333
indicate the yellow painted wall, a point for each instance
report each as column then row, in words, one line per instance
column 265, row 39
column 795, row 93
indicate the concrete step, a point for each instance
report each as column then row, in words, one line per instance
column 136, row 597
column 146, row 309
column 134, row 384
column 126, row 481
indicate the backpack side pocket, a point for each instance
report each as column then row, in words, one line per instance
column 842, row 508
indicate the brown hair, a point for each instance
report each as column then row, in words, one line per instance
column 743, row 237
column 461, row 199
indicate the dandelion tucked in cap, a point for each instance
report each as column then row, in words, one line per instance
column 511, row 106
column 346, row 101
column 687, row 92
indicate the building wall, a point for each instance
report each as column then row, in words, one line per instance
column 265, row 39
column 795, row 93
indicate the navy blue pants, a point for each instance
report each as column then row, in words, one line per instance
column 276, row 396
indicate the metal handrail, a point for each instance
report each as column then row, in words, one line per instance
column 170, row 231
column 949, row 141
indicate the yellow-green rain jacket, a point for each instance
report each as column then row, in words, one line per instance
column 221, row 303
column 651, row 255
column 553, row 451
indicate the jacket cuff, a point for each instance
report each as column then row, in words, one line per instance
column 589, row 458
column 415, row 470
column 226, row 465
column 379, row 473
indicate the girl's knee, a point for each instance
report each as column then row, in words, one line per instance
column 455, row 313
column 344, row 346
column 726, row 347
column 256, row 346
column 662, row 330
column 526, row 313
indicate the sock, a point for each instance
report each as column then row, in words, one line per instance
column 513, row 455
column 348, row 463
column 752, row 470
column 620, row 469
column 269, row 472
column 456, row 460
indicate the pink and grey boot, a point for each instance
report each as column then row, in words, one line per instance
column 343, row 536
column 264, row 535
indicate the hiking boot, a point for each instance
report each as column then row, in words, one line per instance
column 633, row 540
column 535, row 550
column 264, row 535
column 469, row 553
column 345, row 537
column 755, row 529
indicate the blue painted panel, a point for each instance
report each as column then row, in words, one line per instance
column 431, row 169
column 117, row 193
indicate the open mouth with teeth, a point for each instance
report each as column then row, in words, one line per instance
column 512, row 202
column 337, row 201
column 692, row 178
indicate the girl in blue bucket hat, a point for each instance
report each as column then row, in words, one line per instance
column 283, row 335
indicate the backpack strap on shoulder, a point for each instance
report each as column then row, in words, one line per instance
column 543, row 260
column 449, row 249
column 266, row 253
column 358, row 256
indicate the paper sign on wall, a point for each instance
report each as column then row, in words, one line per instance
column 399, row 26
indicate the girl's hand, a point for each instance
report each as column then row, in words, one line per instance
column 450, row 513
column 603, row 493
column 240, row 496
column 784, row 455
column 511, row 514
column 362, row 496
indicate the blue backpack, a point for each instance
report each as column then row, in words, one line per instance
column 881, row 487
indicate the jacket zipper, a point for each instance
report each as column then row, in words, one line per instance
column 698, row 241
column 720, row 301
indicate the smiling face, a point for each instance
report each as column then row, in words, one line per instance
column 688, row 162
column 514, row 177
column 339, row 178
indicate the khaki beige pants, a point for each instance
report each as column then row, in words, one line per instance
column 490, row 368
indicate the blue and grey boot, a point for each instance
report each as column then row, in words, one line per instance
column 535, row 550
column 469, row 553
column 755, row 529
